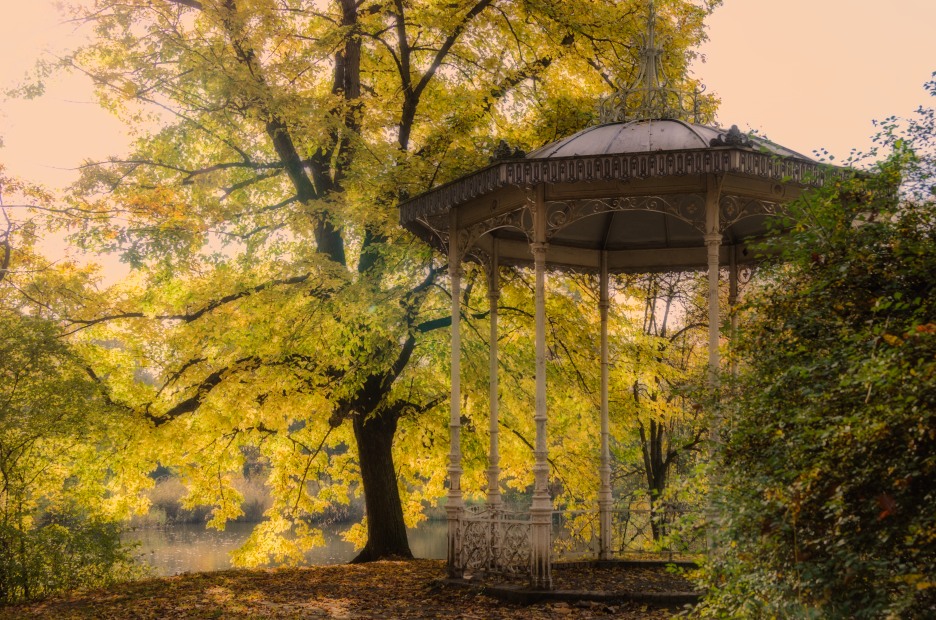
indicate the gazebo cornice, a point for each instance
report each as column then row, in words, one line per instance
column 620, row 167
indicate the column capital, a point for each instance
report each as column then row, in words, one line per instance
column 537, row 246
column 713, row 238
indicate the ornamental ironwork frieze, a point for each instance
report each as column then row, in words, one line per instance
column 625, row 167
column 735, row 208
column 436, row 229
column 441, row 199
column 475, row 254
column 689, row 208
column 520, row 219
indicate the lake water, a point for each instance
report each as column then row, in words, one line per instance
column 193, row 548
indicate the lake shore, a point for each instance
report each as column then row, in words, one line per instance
column 405, row 590
column 194, row 548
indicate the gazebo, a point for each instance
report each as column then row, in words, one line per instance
column 654, row 193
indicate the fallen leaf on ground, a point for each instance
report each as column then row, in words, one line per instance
column 406, row 590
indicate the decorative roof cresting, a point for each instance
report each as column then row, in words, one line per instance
column 733, row 137
column 650, row 97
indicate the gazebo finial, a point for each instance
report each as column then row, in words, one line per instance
column 650, row 96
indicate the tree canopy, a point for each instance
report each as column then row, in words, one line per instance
column 275, row 304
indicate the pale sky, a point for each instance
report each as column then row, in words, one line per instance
column 46, row 138
column 815, row 73
column 806, row 73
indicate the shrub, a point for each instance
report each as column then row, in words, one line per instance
column 57, row 530
column 63, row 554
column 827, row 501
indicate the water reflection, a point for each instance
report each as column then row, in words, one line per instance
column 192, row 548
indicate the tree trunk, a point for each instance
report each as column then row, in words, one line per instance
column 386, row 530
column 656, row 468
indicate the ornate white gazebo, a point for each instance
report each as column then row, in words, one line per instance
column 652, row 194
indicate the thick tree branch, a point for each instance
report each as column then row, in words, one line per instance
column 412, row 94
column 203, row 389
column 446, row 321
column 327, row 235
column 194, row 4
column 105, row 394
column 188, row 317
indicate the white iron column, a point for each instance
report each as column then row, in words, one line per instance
column 455, row 504
column 713, row 245
column 493, row 495
column 732, row 302
column 541, row 508
column 604, row 490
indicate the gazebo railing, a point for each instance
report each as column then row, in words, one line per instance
column 638, row 533
column 496, row 541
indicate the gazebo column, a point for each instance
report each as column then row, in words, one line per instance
column 713, row 240
column 541, row 508
column 493, row 495
column 455, row 504
column 732, row 302
column 604, row 489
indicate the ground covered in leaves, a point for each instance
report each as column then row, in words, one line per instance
column 406, row 590
column 653, row 579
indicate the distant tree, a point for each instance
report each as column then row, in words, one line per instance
column 827, row 475
column 657, row 366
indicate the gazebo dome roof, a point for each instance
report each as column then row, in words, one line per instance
column 636, row 189
column 646, row 194
column 642, row 136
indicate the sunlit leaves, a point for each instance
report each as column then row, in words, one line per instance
column 276, row 298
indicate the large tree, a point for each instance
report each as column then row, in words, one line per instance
column 275, row 301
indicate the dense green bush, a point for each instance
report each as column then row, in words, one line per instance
column 62, row 555
column 827, row 476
